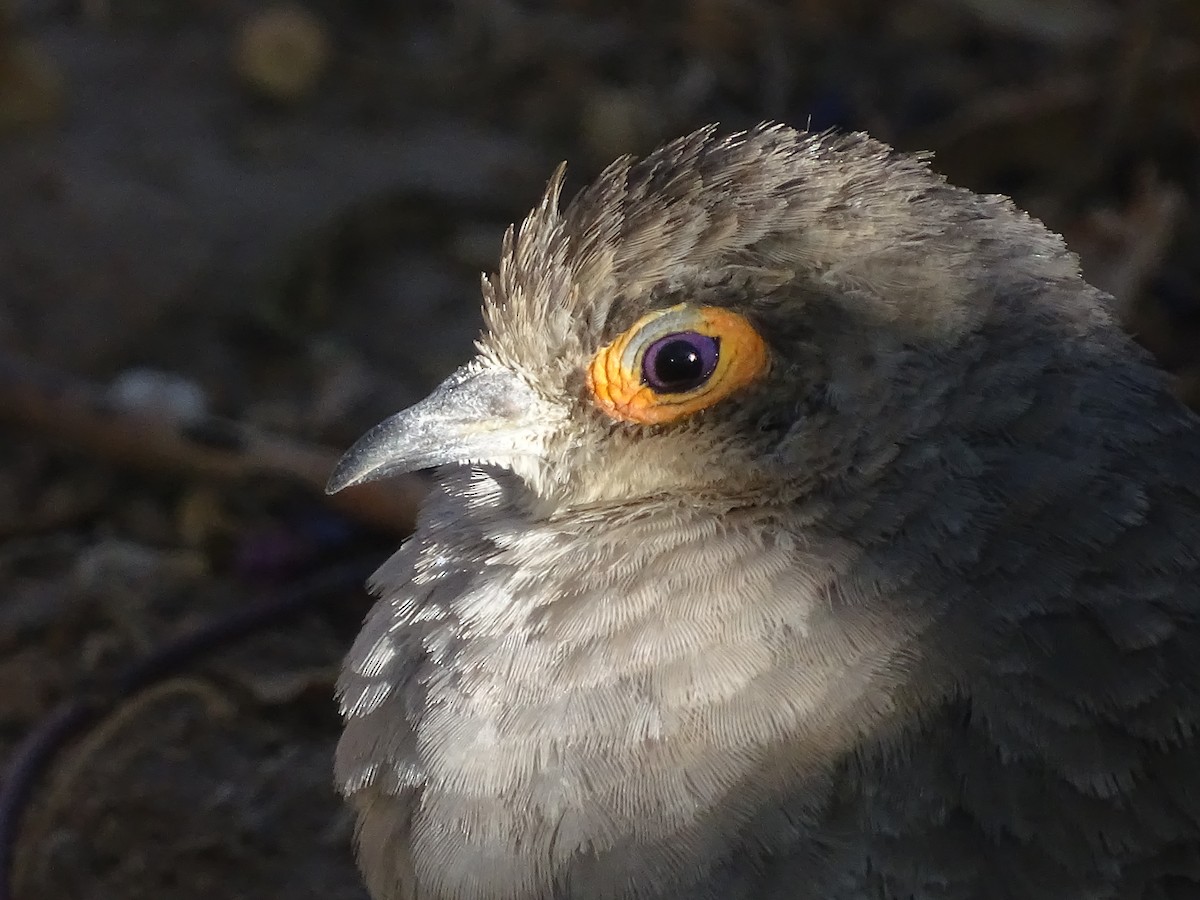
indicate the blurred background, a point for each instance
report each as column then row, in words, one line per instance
column 234, row 235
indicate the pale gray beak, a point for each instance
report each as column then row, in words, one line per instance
column 478, row 414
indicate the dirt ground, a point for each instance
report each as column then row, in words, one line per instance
column 233, row 236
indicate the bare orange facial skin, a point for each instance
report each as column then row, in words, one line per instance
column 616, row 378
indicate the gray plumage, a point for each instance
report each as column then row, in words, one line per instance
column 912, row 616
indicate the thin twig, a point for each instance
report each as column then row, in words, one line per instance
column 77, row 413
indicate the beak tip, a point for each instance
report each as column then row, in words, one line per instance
column 343, row 476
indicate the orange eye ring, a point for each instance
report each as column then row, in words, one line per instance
column 720, row 348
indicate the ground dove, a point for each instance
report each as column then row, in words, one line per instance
column 806, row 528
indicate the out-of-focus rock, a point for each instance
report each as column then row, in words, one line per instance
column 160, row 394
column 32, row 89
column 281, row 53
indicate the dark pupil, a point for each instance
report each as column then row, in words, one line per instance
column 678, row 362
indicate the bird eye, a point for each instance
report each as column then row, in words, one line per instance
column 674, row 362
column 680, row 362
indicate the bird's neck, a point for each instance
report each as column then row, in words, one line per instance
column 621, row 675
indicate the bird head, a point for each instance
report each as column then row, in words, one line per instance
column 771, row 313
